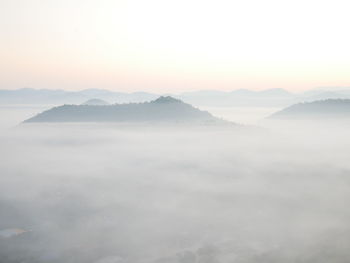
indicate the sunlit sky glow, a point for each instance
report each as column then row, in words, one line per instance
column 170, row 46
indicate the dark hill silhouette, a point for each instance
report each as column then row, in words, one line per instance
column 322, row 109
column 163, row 109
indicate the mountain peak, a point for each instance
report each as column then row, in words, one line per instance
column 162, row 110
column 166, row 99
column 96, row 102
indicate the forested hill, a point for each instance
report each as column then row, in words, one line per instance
column 163, row 109
column 322, row 109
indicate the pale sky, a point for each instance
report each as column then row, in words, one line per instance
column 170, row 46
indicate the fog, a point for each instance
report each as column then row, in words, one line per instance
column 174, row 194
column 243, row 115
column 12, row 114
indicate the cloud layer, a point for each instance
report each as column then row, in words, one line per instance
column 172, row 194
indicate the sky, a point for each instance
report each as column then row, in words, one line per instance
column 169, row 46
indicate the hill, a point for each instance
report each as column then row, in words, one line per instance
column 163, row 109
column 321, row 109
column 95, row 102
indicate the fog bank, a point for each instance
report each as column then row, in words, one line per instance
column 92, row 193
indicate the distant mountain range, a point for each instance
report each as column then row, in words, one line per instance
column 322, row 109
column 235, row 98
column 47, row 96
column 239, row 98
column 163, row 109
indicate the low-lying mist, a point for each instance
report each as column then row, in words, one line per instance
column 118, row 193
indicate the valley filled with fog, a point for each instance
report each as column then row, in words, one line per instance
column 174, row 131
column 115, row 193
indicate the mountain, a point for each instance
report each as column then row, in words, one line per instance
column 326, row 93
column 321, row 109
column 95, row 102
column 210, row 98
column 240, row 97
column 163, row 109
column 47, row 96
column 279, row 93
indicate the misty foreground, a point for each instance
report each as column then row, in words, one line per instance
column 88, row 193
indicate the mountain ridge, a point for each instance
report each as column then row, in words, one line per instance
column 163, row 109
column 319, row 109
column 275, row 97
